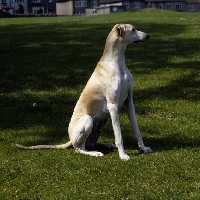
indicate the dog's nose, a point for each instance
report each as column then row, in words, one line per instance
column 148, row 36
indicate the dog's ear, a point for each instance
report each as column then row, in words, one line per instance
column 121, row 30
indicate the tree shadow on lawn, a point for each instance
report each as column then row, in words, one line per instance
column 158, row 141
column 183, row 88
column 36, row 56
column 66, row 58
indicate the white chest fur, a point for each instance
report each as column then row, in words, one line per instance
column 126, row 86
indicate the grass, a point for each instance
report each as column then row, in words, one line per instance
column 48, row 61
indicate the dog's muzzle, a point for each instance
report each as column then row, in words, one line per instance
column 146, row 38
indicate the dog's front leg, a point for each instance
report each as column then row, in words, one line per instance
column 130, row 108
column 113, row 109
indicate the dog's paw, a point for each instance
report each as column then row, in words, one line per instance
column 90, row 153
column 146, row 149
column 124, row 156
column 98, row 154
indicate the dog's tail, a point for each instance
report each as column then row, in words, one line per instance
column 61, row 146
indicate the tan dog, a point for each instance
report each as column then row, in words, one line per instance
column 108, row 89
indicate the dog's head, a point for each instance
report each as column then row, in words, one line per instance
column 129, row 34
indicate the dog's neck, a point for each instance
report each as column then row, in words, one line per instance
column 114, row 52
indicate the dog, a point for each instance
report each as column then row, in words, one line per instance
column 109, row 88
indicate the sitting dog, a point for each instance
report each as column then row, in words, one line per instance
column 108, row 89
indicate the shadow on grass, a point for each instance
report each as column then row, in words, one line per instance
column 163, row 143
column 38, row 58
column 183, row 88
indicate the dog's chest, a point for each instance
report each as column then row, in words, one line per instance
column 126, row 81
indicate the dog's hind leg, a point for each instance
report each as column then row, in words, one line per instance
column 79, row 134
column 82, row 150
column 97, row 129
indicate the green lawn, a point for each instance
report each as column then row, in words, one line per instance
column 48, row 61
